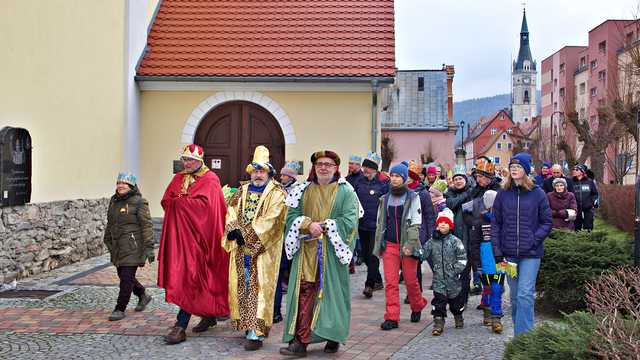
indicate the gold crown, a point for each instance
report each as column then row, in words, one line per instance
column 260, row 158
column 192, row 151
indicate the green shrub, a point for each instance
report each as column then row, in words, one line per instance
column 567, row 339
column 571, row 260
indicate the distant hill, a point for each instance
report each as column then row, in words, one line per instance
column 473, row 109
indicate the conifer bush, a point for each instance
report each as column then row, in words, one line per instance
column 571, row 260
column 570, row 338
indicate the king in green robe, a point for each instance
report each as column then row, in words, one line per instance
column 319, row 296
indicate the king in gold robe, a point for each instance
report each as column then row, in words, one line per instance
column 253, row 238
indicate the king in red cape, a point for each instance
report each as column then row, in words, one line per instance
column 193, row 267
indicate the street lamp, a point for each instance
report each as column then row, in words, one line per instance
column 461, row 154
column 551, row 125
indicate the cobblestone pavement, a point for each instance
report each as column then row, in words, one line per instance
column 72, row 324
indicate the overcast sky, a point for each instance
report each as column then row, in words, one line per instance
column 481, row 37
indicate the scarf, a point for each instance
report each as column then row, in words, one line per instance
column 190, row 178
column 400, row 190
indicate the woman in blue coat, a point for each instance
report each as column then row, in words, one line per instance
column 521, row 221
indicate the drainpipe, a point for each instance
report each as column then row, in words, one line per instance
column 374, row 116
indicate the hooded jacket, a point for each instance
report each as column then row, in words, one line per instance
column 449, row 259
column 409, row 228
column 129, row 231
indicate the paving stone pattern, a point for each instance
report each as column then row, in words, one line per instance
column 73, row 325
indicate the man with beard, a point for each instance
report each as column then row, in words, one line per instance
column 320, row 228
column 192, row 265
column 369, row 188
column 255, row 220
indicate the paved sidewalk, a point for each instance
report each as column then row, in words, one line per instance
column 72, row 324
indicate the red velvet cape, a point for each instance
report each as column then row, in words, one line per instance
column 193, row 267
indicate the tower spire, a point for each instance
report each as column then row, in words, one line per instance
column 524, row 54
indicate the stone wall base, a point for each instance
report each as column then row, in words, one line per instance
column 35, row 238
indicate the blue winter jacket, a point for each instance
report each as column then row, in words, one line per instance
column 521, row 221
column 369, row 193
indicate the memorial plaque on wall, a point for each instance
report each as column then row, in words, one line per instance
column 15, row 166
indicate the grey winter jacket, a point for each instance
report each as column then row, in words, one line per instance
column 449, row 260
column 409, row 229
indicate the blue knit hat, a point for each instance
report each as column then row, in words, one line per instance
column 400, row 169
column 127, row 178
column 546, row 164
column 523, row 159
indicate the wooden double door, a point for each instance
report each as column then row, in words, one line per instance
column 230, row 133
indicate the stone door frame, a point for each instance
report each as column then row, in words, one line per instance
column 198, row 114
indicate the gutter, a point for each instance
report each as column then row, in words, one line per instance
column 336, row 79
column 374, row 115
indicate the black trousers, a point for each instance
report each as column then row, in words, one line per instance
column 128, row 284
column 440, row 301
column 584, row 220
column 367, row 239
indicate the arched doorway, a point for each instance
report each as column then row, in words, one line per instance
column 230, row 132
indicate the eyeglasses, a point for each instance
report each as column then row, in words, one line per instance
column 515, row 167
column 325, row 165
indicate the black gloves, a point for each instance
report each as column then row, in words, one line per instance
column 236, row 235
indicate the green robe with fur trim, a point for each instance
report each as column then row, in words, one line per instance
column 332, row 310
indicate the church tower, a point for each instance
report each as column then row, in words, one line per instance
column 523, row 79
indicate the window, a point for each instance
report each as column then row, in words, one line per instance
column 496, row 159
column 420, row 83
column 594, row 91
column 561, row 92
column 494, row 131
column 526, row 119
column 602, row 75
column 526, row 96
column 509, row 130
column 504, row 136
column 583, row 61
column 555, row 82
column 509, row 146
column 498, row 146
column 583, row 88
column 555, row 106
column 562, row 67
column 594, row 64
column 602, row 47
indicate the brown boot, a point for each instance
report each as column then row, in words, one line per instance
column 459, row 321
column 438, row 326
column 367, row 292
column 204, row 324
column 252, row 345
column 175, row 336
column 496, row 325
column 295, row 349
column 486, row 320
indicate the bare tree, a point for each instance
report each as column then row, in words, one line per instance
column 388, row 152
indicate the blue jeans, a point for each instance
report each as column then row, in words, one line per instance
column 522, row 291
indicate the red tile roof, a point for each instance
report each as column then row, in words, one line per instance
column 271, row 38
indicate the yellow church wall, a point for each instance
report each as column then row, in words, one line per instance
column 321, row 120
column 62, row 78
